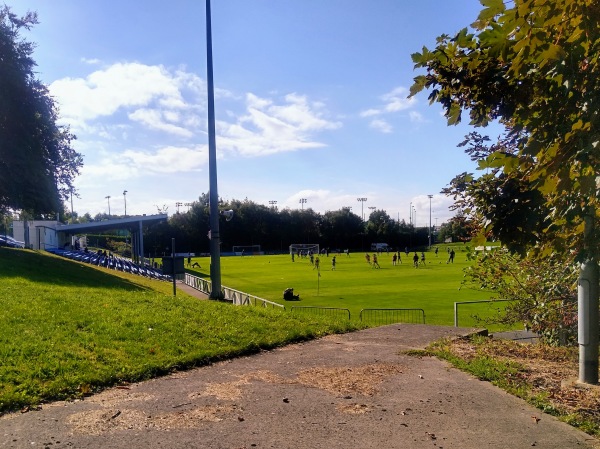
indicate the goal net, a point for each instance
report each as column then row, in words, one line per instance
column 247, row 250
column 304, row 248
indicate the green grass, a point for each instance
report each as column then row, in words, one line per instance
column 354, row 285
column 67, row 329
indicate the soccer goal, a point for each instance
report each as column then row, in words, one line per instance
column 304, row 248
column 243, row 250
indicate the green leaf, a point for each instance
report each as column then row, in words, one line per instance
column 418, row 85
column 453, row 114
column 492, row 8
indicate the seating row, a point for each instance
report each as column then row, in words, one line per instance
column 102, row 259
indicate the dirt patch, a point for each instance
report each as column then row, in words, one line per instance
column 97, row 422
column 549, row 371
column 353, row 409
column 362, row 380
column 118, row 414
column 117, row 396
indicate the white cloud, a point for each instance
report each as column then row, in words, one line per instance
column 157, row 120
column 381, row 125
column 132, row 164
column 394, row 101
column 370, row 112
column 168, row 159
column 269, row 128
column 123, row 86
column 92, row 61
column 416, row 117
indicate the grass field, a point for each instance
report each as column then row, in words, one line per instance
column 68, row 329
column 355, row 285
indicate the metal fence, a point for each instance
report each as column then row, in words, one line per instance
column 200, row 284
column 229, row 294
column 380, row 317
column 246, row 299
column 334, row 312
column 456, row 304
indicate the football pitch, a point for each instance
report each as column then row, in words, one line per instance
column 356, row 285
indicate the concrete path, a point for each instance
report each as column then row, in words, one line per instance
column 357, row 390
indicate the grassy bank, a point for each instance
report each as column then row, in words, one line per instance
column 68, row 329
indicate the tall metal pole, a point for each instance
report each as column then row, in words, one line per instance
column 215, row 237
column 108, row 199
column 430, row 196
column 362, row 209
column 588, row 299
column 125, row 201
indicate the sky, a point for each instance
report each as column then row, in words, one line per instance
column 310, row 100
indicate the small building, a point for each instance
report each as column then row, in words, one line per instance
column 50, row 234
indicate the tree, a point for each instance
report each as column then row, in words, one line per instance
column 498, row 205
column 37, row 163
column 458, row 228
column 533, row 68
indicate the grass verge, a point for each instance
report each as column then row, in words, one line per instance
column 541, row 375
column 69, row 329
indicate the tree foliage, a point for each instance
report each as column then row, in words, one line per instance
column 37, row 162
column 533, row 68
column 275, row 230
column 542, row 291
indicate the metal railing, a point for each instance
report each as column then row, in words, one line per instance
column 200, row 284
column 456, row 304
column 236, row 297
column 327, row 311
column 392, row 316
column 246, row 299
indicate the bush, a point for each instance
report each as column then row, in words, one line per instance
column 542, row 290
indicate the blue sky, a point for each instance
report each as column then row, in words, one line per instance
column 310, row 101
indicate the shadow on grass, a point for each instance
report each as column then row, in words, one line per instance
column 45, row 268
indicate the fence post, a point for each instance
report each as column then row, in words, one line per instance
column 455, row 314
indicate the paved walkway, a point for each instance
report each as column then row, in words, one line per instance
column 181, row 285
column 357, row 390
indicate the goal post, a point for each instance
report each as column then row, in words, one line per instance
column 305, row 248
column 249, row 250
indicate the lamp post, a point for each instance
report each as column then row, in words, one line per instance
column 430, row 196
column 108, row 199
column 273, row 203
column 125, row 201
column 215, row 237
column 302, row 201
column 362, row 203
column 372, row 209
column 178, row 205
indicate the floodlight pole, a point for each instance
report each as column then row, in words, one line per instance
column 362, row 209
column 587, row 310
column 215, row 238
column 430, row 196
